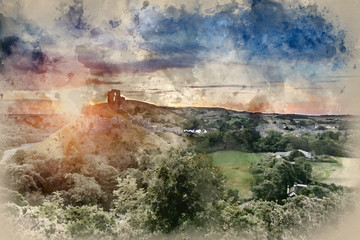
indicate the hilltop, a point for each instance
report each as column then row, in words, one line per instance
column 102, row 131
column 101, row 128
column 83, row 158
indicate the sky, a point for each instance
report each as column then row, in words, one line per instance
column 295, row 56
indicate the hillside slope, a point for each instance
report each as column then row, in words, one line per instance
column 84, row 158
column 100, row 130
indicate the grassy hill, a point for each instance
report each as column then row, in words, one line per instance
column 103, row 131
column 87, row 155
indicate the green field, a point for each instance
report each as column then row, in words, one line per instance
column 235, row 166
column 324, row 171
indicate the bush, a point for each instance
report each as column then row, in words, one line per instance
column 274, row 176
column 295, row 154
column 83, row 190
column 273, row 142
column 178, row 187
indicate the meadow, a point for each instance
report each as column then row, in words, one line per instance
column 235, row 167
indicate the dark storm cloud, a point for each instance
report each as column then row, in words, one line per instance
column 275, row 39
column 21, row 55
column 16, row 53
column 94, row 61
column 263, row 30
column 266, row 34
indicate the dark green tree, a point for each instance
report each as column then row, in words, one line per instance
column 178, row 187
column 276, row 175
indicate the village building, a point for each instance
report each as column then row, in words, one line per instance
column 295, row 189
column 306, row 154
column 197, row 131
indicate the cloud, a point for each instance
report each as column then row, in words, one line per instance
column 259, row 31
column 276, row 39
column 95, row 61
column 258, row 104
column 197, row 49
column 73, row 18
column 280, row 41
column 30, row 57
column 21, row 55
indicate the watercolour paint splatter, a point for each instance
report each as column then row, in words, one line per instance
column 285, row 50
column 114, row 113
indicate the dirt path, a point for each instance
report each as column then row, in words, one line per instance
column 8, row 153
column 349, row 175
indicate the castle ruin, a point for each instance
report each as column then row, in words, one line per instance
column 114, row 99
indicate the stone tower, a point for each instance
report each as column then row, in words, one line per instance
column 114, row 98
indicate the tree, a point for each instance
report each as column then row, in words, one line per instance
column 215, row 138
column 276, row 175
column 83, row 190
column 273, row 142
column 295, row 154
column 179, row 186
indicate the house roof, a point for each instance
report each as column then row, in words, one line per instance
column 286, row 154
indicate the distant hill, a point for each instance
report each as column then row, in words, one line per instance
column 97, row 146
column 103, row 131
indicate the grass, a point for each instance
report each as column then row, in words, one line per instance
column 322, row 171
column 235, row 166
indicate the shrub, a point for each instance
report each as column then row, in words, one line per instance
column 178, row 186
